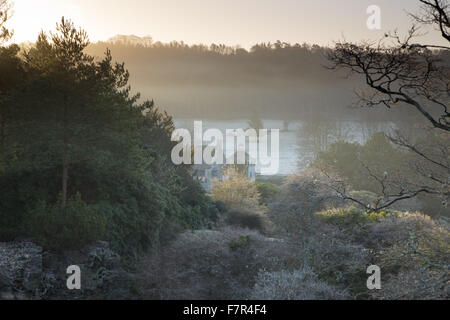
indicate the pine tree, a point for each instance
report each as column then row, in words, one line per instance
column 74, row 110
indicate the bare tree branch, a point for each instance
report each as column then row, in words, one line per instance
column 404, row 71
column 435, row 12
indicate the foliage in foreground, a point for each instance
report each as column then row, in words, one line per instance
column 81, row 159
column 339, row 243
column 312, row 254
column 300, row 284
column 411, row 249
column 213, row 264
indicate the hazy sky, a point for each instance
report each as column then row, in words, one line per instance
column 231, row 22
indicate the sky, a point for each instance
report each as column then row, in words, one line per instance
column 231, row 22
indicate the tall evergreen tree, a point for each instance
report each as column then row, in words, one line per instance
column 74, row 110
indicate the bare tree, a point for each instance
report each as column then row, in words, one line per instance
column 435, row 12
column 414, row 75
column 392, row 189
column 407, row 73
column 404, row 71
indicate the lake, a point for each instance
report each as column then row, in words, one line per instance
column 300, row 141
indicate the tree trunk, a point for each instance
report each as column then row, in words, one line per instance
column 65, row 179
column 2, row 134
column 65, row 164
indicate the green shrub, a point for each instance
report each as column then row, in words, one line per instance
column 221, row 206
column 10, row 225
column 351, row 217
column 246, row 219
column 240, row 242
column 152, row 218
column 345, row 218
column 267, row 191
column 72, row 227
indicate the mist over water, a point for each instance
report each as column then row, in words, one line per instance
column 300, row 141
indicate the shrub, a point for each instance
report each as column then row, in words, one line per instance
column 11, row 226
column 413, row 284
column 150, row 217
column 396, row 228
column 327, row 248
column 246, row 219
column 132, row 229
column 307, row 192
column 351, row 218
column 345, row 218
column 221, row 206
column 419, row 231
column 267, row 191
column 237, row 192
column 208, row 264
column 339, row 244
column 72, row 227
column 241, row 242
column 339, row 262
column 300, row 284
column 414, row 252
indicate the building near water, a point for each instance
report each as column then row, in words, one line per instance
column 216, row 173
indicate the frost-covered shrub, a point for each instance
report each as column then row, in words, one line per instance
column 308, row 191
column 208, row 264
column 413, row 284
column 413, row 251
column 397, row 228
column 329, row 249
column 292, row 211
column 337, row 260
column 302, row 284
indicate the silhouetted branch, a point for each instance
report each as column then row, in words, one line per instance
column 404, row 72
column 435, row 12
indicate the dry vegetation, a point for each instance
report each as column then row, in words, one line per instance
column 310, row 252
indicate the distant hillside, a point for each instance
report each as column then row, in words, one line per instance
column 274, row 80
